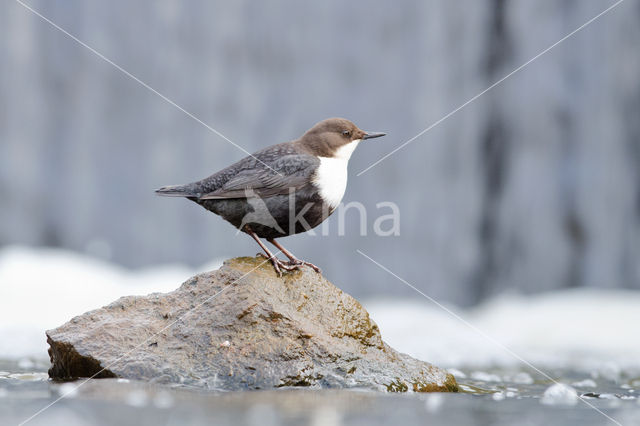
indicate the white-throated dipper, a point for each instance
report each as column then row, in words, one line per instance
column 284, row 189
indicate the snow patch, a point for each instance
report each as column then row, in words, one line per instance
column 581, row 329
column 42, row 288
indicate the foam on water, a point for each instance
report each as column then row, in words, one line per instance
column 559, row 394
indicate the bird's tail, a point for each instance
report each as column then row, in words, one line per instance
column 175, row 191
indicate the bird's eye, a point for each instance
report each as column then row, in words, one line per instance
column 346, row 132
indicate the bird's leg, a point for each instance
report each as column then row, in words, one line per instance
column 293, row 261
column 278, row 264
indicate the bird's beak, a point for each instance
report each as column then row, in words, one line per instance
column 371, row 135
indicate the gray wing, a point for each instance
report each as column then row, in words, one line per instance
column 286, row 173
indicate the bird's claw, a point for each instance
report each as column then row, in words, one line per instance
column 279, row 265
column 291, row 265
column 297, row 264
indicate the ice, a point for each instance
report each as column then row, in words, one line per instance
column 607, row 396
column 560, row 394
column 608, row 370
column 30, row 377
column 485, row 377
column 586, row 383
column 498, row 396
column 522, row 378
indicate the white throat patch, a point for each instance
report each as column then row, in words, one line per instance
column 331, row 176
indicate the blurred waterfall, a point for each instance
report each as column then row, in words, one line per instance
column 534, row 186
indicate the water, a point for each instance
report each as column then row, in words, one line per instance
column 491, row 396
column 505, row 353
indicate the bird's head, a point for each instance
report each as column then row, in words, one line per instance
column 335, row 138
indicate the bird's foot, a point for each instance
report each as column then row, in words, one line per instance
column 297, row 264
column 279, row 265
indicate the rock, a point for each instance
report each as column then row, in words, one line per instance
column 240, row 327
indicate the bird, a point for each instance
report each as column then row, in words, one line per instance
column 281, row 190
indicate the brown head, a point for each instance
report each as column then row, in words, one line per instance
column 335, row 136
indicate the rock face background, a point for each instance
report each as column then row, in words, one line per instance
column 240, row 327
column 534, row 186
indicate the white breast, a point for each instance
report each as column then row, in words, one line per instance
column 331, row 176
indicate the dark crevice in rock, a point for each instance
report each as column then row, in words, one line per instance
column 68, row 364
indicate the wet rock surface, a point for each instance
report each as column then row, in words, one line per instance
column 240, row 327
